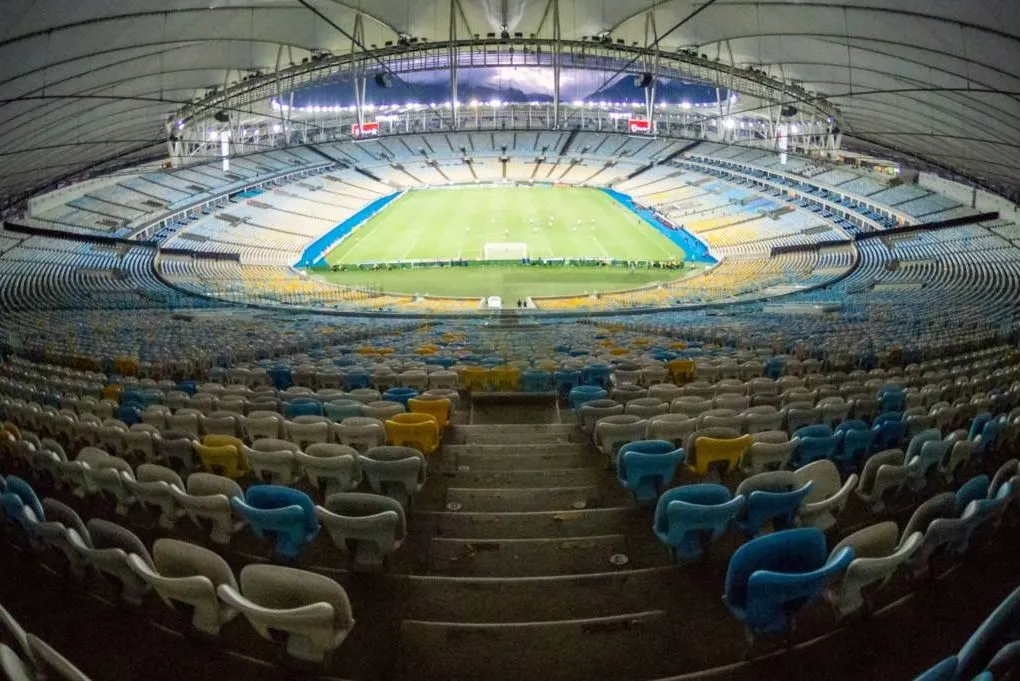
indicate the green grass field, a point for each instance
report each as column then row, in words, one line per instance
column 444, row 224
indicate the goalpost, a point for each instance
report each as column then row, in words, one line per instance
column 505, row 251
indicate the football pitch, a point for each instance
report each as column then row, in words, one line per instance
column 553, row 222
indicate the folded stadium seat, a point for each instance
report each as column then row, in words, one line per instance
column 769, row 450
column 505, row 378
column 361, row 432
column 721, row 418
column 111, row 436
column 397, row 472
column 567, row 380
column 302, row 406
column 139, row 444
column 312, row 610
column 273, row 461
column 591, row 411
column 207, row 498
column 762, row 418
column 987, row 438
column 614, row 431
column 917, row 422
column 222, row 455
column 370, row 526
column 356, row 378
column 772, row 497
column 107, row 548
column 888, row 427
column 443, row 394
column 973, row 490
column 681, row 370
column 855, row 444
column 186, row 574
column 691, row 405
column 653, row 374
column 185, row 420
column 667, row 392
column 985, row 650
column 204, row 403
column 330, row 468
column 826, row 498
column 720, row 454
column 1005, row 473
column 812, row 443
column 221, row 423
column 53, row 531
column 86, row 430
column 475, row 378
column 279, row 513
column 730, row 401
column 597, row 374
column 647, row 466
column 72, row 473
column 439, row 409
column 399, row 395
column 625, row 392
column 416, row 379
column 443, row 379
column 106, row 477
column 834, row 410
column 646, row 407
column 932, row 452
column 150, row 486
column 383, row 409
column 879, row 551
column 581, row 394
column 338, row 410
column 417, row 430
column 770, row 578
column 304, row 434
column 21, row 506
column 260, row 424
column 940, row 524
column 689, row 517
column 797, row 417
column 892, row 399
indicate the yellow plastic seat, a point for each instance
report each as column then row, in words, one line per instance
column 223, row 460
column 710, row 450
column 679, row 345
column 438, row 409
column 547, row 365
column 681, row 370
column 616, row 352
column 112, row 391
column 427, row 349
column 506, row 378
column 475, row 378
column 417, row 430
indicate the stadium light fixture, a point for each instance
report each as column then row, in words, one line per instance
column 277, row 128
column 474, row 103
column 685, row 105
column 795, row 129
column 213, row 135
column 730, row 123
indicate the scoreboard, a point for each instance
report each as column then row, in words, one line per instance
column 636, row 125
column 365, row 129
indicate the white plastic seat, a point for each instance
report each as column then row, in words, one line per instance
column 221, row 423
column 185, row 573
column 612, row 432
column 646, row 407
column 72, row 473
column 273, row 464
column 375, row 525
column 138, row 443
column 361, row 432
column 827, row 497
column 382, row 409
column 331, row 468
column 107, row 548
column 398, row 472
column 305, row 434
column 878, row 553
column 592, row 411
column 55, row 534
column 312, row 610
column 260, row 424
column 150, row 486
column 769, row 450
column 52, row 665
column 674, row 427
column 883, row 472
column 208, row 499
column 106, row 478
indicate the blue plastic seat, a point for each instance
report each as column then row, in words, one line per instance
column 189, row 387
column 21, row 504
column 536, row 381
column 281, row 512
column 771, row 577
column 974, row 489
column 280, row 377
column 646, row 466
column 888, row 430
column 688, row 518
column 1001, row 626
column 130, row 413
column 892, row 399
column 855, row 446
column 302, row 406
column 774, row 368
column 597, row 374
column 445, row 362
column 401, row 395
column 945, row 670
column 566, row 380
column 338, row 410
column 812, row 443
column 989, row 435
column 778, row 507
column 356, row 378
column 978, row 424
column 578, row 395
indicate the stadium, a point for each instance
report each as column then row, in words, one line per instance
column 531, row 339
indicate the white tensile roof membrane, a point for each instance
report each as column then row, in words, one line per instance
column 87, row 81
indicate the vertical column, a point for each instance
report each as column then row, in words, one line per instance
column 454, row 104
column 557, row 53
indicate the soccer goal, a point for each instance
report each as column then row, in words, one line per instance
column 505, row 251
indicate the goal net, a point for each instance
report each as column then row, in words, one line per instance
column 505, row 251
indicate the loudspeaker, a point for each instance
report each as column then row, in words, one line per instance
column 788, row 111
column 383, row 80
column 644, row 80
column 222, row 116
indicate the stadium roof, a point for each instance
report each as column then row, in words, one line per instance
column 87, row 83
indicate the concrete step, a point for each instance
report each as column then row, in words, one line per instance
column 474, row 499
column 510, row 448
column 526, row 557
column 466, row 476
column 513, row 434
column 543, row 524
column 606, row 648
column 532, row 599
